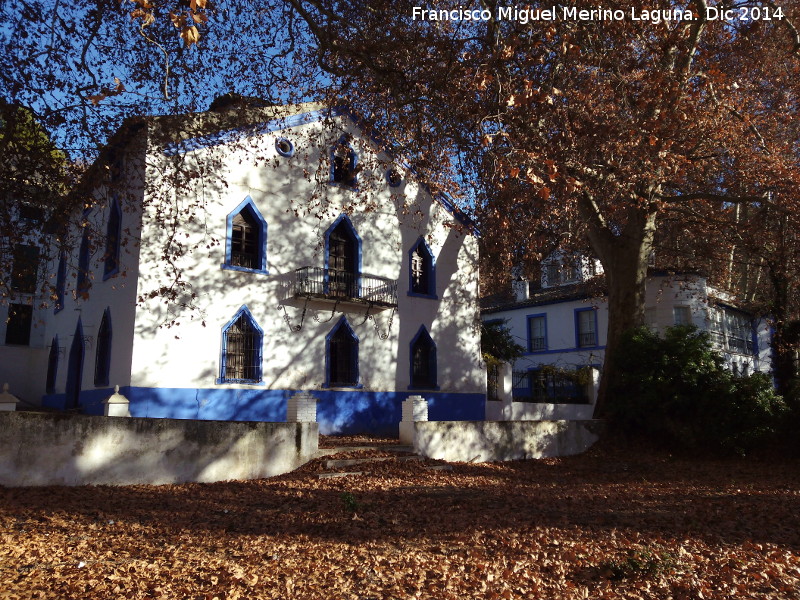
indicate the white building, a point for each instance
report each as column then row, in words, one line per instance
column 314, row 263
column 562, row 322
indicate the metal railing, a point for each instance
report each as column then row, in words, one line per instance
column 345, row 285
column 587, row 339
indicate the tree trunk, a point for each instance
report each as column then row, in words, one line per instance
column 785, row 334
column 624, row 255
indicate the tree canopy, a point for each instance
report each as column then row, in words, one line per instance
column 574, row 128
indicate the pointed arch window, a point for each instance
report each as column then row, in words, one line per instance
column 61, row 281
column 341, row 356
column 246, row 239
column 102, row 364
column 52, row 367
column 422, row 273
column 113, row 233
column 344, row 162
column 84, row 282
column 75, row 368
column 242, row 340
column 342, row 259
column 423, row 360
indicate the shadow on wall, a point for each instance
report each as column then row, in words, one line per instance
column 108, row 450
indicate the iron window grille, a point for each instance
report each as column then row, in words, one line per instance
column 549, row 386
column 241, row 359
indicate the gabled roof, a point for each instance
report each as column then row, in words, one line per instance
column 179, row 134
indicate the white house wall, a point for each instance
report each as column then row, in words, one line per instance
column 174, row 368
column 116, row 293
column 662, row 296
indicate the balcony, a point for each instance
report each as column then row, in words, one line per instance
column 343, row 286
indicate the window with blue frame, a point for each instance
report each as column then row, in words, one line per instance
column 422, row 272
column 284, row 147
column 341, row 353
column 423, row 360
column 61, row 281
column 84, row 281
column 342, row 259
column 242, row 340
column 586, row 327
column 537, row 333
column 52, row 367
column 113, row 233
column 246, row 239
column 102, row 364
column 344, row 162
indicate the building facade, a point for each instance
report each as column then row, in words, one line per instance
column 296, row 256
column 562, row 323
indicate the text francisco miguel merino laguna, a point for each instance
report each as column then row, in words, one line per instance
column 571, row 13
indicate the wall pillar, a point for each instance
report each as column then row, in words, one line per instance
column 8, row 401
column 301, row 408
column 415, row 409
column 116, row 405
column 594, row 385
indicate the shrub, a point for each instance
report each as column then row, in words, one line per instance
column 676, row 392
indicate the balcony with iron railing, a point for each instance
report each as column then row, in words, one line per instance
column 344, row 286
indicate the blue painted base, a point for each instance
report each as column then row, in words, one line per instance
column 344, row 412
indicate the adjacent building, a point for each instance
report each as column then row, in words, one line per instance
column 562, row 321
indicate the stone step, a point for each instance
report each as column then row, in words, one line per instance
column 335, row 475
column 349, row 462
column 329, row 451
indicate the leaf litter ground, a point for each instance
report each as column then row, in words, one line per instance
column 602, row 525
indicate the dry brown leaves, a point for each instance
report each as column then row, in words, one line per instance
column 597, row 526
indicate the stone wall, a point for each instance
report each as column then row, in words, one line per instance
column 483, row 441
column 56, row 449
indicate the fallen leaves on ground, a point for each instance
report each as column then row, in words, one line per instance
column 603, row 525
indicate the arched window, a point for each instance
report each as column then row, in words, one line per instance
column 242, row 340
column 75, row 368
column 422, row 275
column 113, row 233
column 344, row 162
column 423, row 360
column 102, row 363
column 341, row 356
column 246, row 240
column 61, row 281
column 52, row 367
column 84, row 282
column 342, row 259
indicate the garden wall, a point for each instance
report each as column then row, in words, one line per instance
column 56, row 449
column 484, row 441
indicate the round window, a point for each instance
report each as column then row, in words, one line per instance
column 284, row 147
column 393, row 177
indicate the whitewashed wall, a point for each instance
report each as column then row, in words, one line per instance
column 662, row 296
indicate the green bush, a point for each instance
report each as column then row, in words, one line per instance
column 675, row 391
